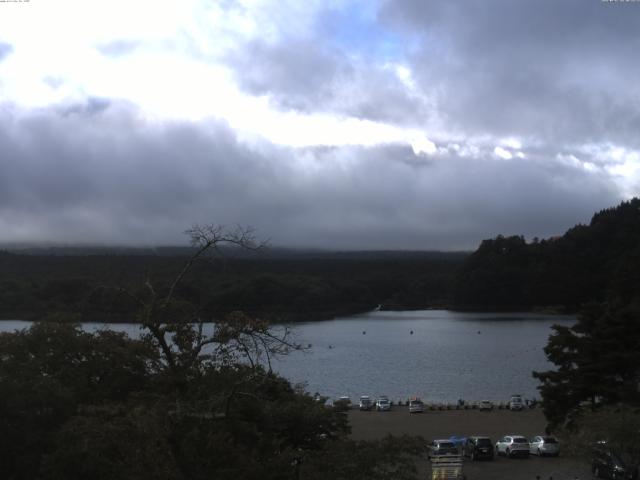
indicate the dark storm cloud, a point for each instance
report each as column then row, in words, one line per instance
column 111, row 176
column 5, row 50
column 306, row 78
column 560, row 70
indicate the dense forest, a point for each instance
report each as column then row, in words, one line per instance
column 276, row 284
column 588, row 263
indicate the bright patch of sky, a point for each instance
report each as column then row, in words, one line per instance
column 105, row 50
column 353, row 27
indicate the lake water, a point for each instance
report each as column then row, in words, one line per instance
column 450, row 355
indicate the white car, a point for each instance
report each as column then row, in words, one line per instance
column 512, row 446
column 383, row 404
column 516, row 403
column 544, row 445
column 485, row 405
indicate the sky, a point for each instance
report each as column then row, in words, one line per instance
column 362, row 124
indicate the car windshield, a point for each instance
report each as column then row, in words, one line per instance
column 520, row 440
column 446, row 445
column 415, row 402
column 483, row 442
column 549, row 440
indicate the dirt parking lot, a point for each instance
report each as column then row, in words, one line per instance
column 495, row 424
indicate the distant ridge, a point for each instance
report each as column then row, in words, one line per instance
column 270, row 252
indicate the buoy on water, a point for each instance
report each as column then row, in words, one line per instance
column 364, row 332
column 411, row 332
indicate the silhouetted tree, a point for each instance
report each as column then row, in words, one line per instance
column 597, row 360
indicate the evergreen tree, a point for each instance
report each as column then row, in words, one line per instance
column 597, row 359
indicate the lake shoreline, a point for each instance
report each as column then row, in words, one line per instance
column 319, row 316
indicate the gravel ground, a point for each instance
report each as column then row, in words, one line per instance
column 495, row 424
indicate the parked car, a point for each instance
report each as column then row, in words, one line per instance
column 441, row 447
column 342, row 404
column 512, row 446
column 605, row 463
column 416, row 406
column 485, row 405
column 383, row 404
column 365, row 403
column 516, row 402
column 544, row 445
column 477, row 448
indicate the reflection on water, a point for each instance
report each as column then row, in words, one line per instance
column 438, row 355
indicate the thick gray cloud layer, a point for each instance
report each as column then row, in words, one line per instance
column 559, row 70
column 106, row 175
column 533, row 107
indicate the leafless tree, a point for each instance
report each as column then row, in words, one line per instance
column 177, row 327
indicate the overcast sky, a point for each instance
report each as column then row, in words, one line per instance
column 408, row 124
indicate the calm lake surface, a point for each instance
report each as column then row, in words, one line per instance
column 450, row 355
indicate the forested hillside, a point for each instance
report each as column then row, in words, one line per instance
column 281, row 286
column 588, row 263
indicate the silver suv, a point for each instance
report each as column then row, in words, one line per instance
column 516, row 402
column 513, row 445
column 383, row 404
column 365, row 403
column 416, row 406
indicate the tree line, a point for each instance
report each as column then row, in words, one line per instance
column 278, row 286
